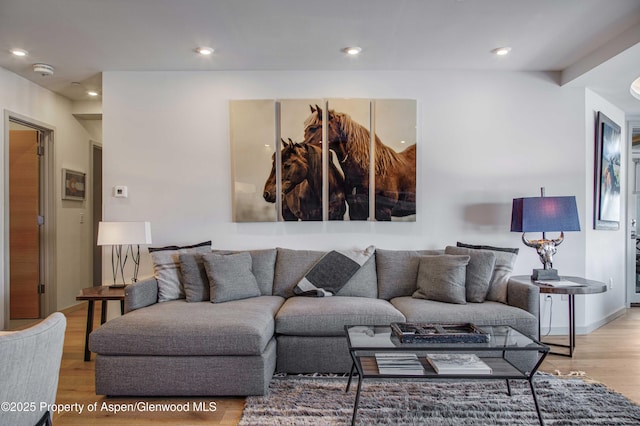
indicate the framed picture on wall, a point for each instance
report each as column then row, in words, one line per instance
column 607, row 174
column 73, row 185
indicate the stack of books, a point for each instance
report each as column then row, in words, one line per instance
column 458, row 364
column 399, row 363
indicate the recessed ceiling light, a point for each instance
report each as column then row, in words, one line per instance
column 203, row 50
column 635, row 88
column 354, row 50
column 19, row 52
column 501, row 51
column 92, row 93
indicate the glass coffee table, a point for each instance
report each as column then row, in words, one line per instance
column 510, row 355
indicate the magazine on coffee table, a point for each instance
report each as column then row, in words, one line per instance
column 444, row 363
column 560, row 283
column 399, row 363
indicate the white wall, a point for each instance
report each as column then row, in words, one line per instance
column 19, row 96
column 484, row 138
column 605, row 250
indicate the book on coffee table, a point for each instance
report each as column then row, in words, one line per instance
column 399, row 363
column 458, row 364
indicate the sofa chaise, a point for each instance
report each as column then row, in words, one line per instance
column 190, row 346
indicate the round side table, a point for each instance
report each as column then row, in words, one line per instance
column 585, row 287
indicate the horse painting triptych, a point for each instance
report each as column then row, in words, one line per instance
column 365, row 170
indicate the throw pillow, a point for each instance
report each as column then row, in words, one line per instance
column 166, row 268
column 230, row 277
column 194, row 278
column 479, row 271
column 505, row 261
column 442, row 278
column 397, row 271
column 262, row 265
column 332, row 272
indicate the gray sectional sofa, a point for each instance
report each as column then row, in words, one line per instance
column 182, row 348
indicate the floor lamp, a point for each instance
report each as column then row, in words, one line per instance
column 130, row 235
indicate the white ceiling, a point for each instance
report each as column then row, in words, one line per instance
column 591, row 42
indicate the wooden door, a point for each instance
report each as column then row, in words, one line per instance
column 24, row 233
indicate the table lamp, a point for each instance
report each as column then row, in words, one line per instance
column 544, row 214
column 129, row 234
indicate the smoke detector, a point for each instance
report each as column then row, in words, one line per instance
column 43, row 69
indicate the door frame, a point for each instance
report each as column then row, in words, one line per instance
column 48, row 210
column 95, row 145
column 632, row 197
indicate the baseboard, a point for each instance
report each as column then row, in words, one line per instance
column 558, row 331
column 596, row 325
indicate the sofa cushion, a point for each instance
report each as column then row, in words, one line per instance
column 332, row 272
column 479, row 271
column 487, row 313
column 505, row 260
column 241, row 327
column 263, row 263
column 292, row 265
column 442, row 278
column 166, row 268
column 327, row 316
column 194, row 278
column 398, row 271
column 230, row 276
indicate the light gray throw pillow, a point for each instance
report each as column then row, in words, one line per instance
column 505, row 261
column 479, row 271
column 442, row 278
column 397, row 271
column 194, row 278
column 262, row 265
column 230, row 277
column 166, row 269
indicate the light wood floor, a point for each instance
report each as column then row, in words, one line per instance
column 610, row 355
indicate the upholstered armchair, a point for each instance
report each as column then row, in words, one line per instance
column 29, row 368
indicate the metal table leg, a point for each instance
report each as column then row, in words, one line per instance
column 355, row 405
column 87, row 354
column 572, row 330
column 353, row 367
column 535, row 400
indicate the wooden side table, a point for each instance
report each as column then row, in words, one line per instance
column 586, row 287
column 102, row 293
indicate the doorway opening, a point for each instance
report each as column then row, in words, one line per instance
column 29, row 211
column 633, row 288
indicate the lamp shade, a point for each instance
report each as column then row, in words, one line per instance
column 121, row 233
column 545, row 214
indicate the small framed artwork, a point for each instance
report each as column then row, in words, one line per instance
column 73, row 185
column 607, row 174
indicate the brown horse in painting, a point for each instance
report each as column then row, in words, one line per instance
column 395, row 173
column 302, row 184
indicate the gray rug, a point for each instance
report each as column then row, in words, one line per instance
column 322, row 401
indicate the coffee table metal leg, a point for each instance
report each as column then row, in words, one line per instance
column 353, row 367
column 508, row 387
column 355, row 405
column 535, row 400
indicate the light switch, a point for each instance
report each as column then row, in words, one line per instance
column 120, row 191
